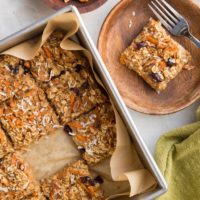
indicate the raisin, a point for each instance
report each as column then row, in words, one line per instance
column 75, row 90
column 81, row 150
column 171, row 62
column 85, row 85
column 156, row 77
column 49, row 72
column 15, row 69
column 68, row 129
column 26, row 70
column 99, row 179
column 84, row 179
column 78, row 68
column 92, row 182
column 141, row 45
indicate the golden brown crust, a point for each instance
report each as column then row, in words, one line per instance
column 73, row 94
column 51, row 60
column 16, row 181
column 27, row 118
column 14, row 79
column 155, row 56
column 72, row 183
column 94, row 133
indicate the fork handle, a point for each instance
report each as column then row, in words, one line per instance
column 194, row 40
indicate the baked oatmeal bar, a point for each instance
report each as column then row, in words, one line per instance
column 73, row 183
column 73, row 93
column 5, row 146
column 155, row 56
column 51, row 59
column 16, row 181
column 94, row 133
column 28, row 117
column 14, row 79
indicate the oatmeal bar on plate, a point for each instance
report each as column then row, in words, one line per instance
column 73, row 93
column 94, row 133
column 51, row 60
column 14, row 78
column 155, row 56
column 28, row 117
column 72, row 183
column 16, row 181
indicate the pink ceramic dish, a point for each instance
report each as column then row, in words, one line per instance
column 83, row 7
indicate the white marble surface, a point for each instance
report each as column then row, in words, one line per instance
column 16, row 14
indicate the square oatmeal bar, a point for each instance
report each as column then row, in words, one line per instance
column 16, row 181
column 94, row 133
column 28, row 117
column 51, row 60
column 73, row 93
column 155, row 56
column 14, row 78
column 73, row 183
column 5, row 146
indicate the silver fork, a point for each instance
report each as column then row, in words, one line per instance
column 175, row 23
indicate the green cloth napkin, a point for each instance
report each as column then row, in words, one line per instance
column 178, row 156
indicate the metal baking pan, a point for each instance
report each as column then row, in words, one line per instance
column 83, row 36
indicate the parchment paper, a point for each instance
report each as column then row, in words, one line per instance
column 124, row 173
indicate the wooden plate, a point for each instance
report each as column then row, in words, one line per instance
column 83, row 7
column 124, row 23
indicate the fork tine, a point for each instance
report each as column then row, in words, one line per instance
column 164, row 16
column 173, row 11
column 160, row 18
column 167, row 12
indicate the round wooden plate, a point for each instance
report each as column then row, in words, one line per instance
column 83, row 7
column 123, row 24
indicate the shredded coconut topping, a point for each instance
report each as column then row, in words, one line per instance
column 3, row 94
